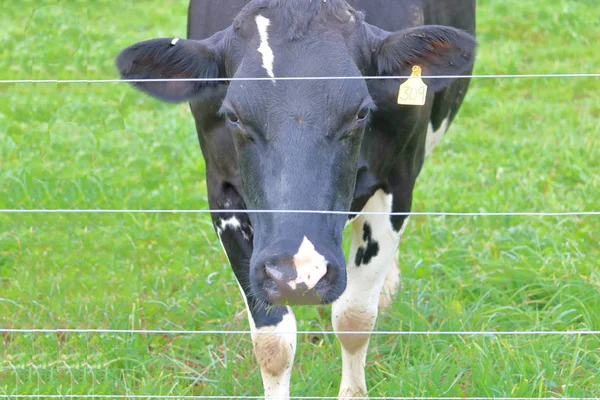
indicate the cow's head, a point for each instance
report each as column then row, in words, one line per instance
column 298, row 141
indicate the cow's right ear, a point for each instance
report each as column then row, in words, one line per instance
column 171, row 59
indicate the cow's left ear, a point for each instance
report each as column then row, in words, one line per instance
column 173, row 59
column 438, row 50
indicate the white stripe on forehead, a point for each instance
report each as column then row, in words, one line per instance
column 267, row 54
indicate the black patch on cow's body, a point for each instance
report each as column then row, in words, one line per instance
column 365, row 253
column 359, row 256
column 264, row 316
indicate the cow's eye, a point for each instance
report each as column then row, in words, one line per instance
column 232, row 117
column 363, row 114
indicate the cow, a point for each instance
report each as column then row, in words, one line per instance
column 327, row 145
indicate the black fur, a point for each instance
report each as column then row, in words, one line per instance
column 159, row 59
column 439, row 50
column 371, row 248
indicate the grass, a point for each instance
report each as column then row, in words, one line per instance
column 518, row 145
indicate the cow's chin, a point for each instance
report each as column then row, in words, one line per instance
column 320, row 295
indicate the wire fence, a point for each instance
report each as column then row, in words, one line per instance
column 240, row 332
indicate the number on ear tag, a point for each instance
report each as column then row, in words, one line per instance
column 413, row 92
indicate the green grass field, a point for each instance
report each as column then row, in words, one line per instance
column 517, row 145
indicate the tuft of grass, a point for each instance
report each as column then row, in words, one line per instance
column 517, row 145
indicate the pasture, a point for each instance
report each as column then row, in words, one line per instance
column 517, row 145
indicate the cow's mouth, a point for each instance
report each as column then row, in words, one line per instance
column 300, row 295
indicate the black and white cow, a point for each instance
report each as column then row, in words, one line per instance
column 329, row 145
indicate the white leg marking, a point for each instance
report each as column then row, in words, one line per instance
column 434, row 137
column 356, row 309
column 310, row 265
column 274, row 353
column 267, row 53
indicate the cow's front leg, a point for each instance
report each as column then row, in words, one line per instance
column 274, row 351
column 374, row 245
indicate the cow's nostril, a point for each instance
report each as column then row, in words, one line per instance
column 330, row 274
column 274, row 273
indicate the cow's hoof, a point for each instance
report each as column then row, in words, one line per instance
column 352, row 393
column 390, row 286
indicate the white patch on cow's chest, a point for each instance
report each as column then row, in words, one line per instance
column 267, row 53
column 434, row 137
column 310, row 265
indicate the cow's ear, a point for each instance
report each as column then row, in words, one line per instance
column 438, row 50
column 171, row 59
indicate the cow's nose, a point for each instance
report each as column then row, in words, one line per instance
column 291, row 273
column 309, row 284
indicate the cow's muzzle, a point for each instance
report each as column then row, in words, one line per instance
column 303, row 277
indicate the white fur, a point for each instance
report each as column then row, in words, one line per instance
column 277, row 386
column 231, row 223
column 356, row 309
column 267, row 53
column 434, row 137
column 234, row 224
column 310, row 265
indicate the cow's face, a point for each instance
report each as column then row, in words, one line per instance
column 297, row 140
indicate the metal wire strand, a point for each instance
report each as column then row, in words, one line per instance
column 307, row 78
column 354, row 213
column 107, row 396
column 239, row 332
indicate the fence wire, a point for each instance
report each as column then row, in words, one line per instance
column 107, row 396
column 306, row 78
column 242, row 332
column 351, row 213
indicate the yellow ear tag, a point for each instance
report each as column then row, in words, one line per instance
column 413, row 92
